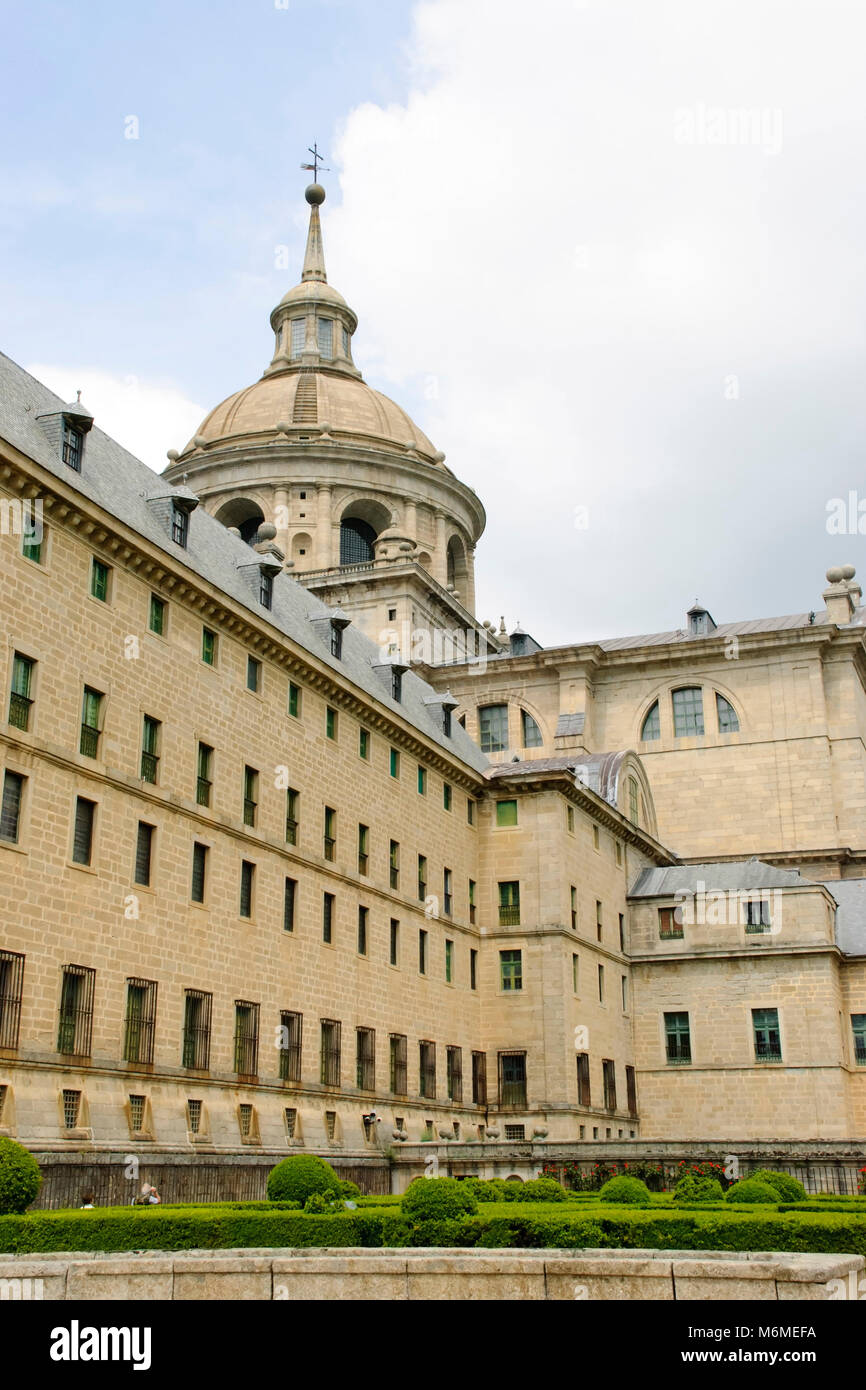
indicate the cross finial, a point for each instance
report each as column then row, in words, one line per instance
column 317, row 160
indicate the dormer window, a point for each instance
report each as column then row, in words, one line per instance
column 299, row 335
column 446, row 720
column 72, row 445
column 336, row 641
column 179, row 524
column 325, row 330
column 266, row 589
column 396, row 684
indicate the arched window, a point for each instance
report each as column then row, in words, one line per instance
column 493, row 728
column 356, row 541
column 728, row 721
column 651, row 727
column 530, row 731
column 452, row 569
column 688, row 711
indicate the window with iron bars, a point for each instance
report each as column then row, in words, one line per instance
column 291, row 816
column 330, row 1052
column 143, row 853
column 394, row 864
column 251, row 791
column 75, row 1026
column 608, row 1072
column 291, row 1030
column 11, row 994
column 71, row 1109
column 515, row 1133
column 479, row 1078
column 512, row 1078
column 82, row 833
column 331, row 1125
column 365, row 1059
column 427, row 1070
column 291, row 1117
column 398, row 1080
column 768, row 1043
column 363, row 848
column 509, row 904
column 193, row 1116
column 246, row 1038
column 330, row 836
column 454, row 1074
column 245, row 1120
column 20, row 699
column 91, row 710
column 196, row 1029
column 137, row 1106
column 140, row 1023
column 10, row 811
column 678, row 1043
column 203, row 779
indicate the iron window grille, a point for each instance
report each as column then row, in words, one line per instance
column 608, row 1072
column 203, row 784
column 291, row 816
column 584, row 1086
column 149, row 746
column 11, row 994
column 91, row 710
column 71, row 1108
column 140, row 1022
column 515, row 1133
column 291, row 1121
column 137, row 1106
column 365, row 1058
column 246, row 1038
column 193, row 1116
column 454, row 1074
column 768, row 1043
column 291, row 1030
column 330, row 838
column 245, row 1119
column 330, row 1052
column 427, row 1070
column 394, row 864
column 398, row 1080
column 82, row 837
column 479, row 1078
column 509, row 904
column 678, row 1044
column 196, row 1029
column 10, row 812
column 512, row 1079
column 75, row 1024
column 331, row 1125
column 20, row 699
column 251, row 781
column 363, row 855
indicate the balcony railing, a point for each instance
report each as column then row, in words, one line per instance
column 202, row 791
column 330, row 845
column 249, row 811
column 768, row 1051
column 291, row 831
column 89, row 744
column 149, row 764
column 509, row 916
column 513, row 1093
column 860, row 1052
column 19, row 710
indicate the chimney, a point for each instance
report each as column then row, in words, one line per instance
column 842, row 596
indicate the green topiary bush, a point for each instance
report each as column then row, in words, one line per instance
column 350, row 1191
column 622, row 1189
column 299, row 1176
column 20, row 1178
column 542, row 1190
column 751, row 1191
column 789, row 1189
column 438, row 1199
column 694, row 1187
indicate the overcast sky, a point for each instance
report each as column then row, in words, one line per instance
column 608, row 253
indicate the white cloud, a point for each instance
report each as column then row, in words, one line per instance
column 533, row 231
column 140, row 415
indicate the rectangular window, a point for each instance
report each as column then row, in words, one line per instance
column 99, row 575
column 608, row 1071
column 143, row 853
column 364, row 744
column 624, row 990
column 32, row 546
column 598, row 919
column 617, row 850
column 422, row 780
column 670, row 923
column 91, row 719
column 294, row 700
column 266, row 589
column 768, row 1043
column 678, row 1042
column 506, row 813
column 575, row 974
column 290, row 897
column 473, row 968
column 254, row 674
column 299, row 333
column 71, row 1108
column 470, row 810
column 140, row 1024
column 291, row 1025
column 596, row 842
column 479, row 1078
column 199, row 872
column 858, row 1029
column 398, row 1068
column 422, row 877
column 291, row 1117
column 72, row 446
column 449, row 962
column 573, row 907
column 196, row 1029
column 622, row 932
column 394, row 941
column 246, row 897
column 179, row 525
column 394, row 864
column 601, row 984
column 454, row 1074
column 472, row 901
column 156, row 615
column 82, row 836
column 363, row 849
column 509, row 904
column 10, row 813
column 344, row 338
column 203, row 774
column 631, row 1090
column 396, row 684
column 446, row 795
column 422, row 951
column 493, row 728
column 512, row 1079
column 757, row 916
column 447, row 892
column 330, row 837
column 291, row 816
column 325, row 330
column 330, row 722
column 511, row 970
column 365, row 1059
column 150, row 749
column 251, row 795
column 584, row 1090
column 363, row 922
column 329, row 1052
column 246, row 1038
column 208, row 646
column 75, row 1027
column 688, row 712
column 21, row 694
column 569, row 819
column 427, row 1069
column 394, row 762
column 328, row 918
column 11, row 994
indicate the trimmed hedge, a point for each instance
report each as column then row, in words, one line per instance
column 695, row 1187
column 436, row 1199
column 20, row 1178
column 789, row 1189
column 300, row 1175
column 750, row 1190
column 632, row 1191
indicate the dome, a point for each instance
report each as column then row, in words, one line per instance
column 345, row 403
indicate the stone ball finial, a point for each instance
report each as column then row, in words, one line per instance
column 325, row 427
column 314, row 194
column 267, row 531
column 834, row 574
column 172, row 454
column 199, row 441
column 233, row 530
column 848, row 572
column 439, row 457
column 283, row 426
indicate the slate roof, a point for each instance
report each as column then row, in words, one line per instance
column 850, row 894
column 746, row 875
column 119, row 482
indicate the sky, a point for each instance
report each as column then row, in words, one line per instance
column 607, row 253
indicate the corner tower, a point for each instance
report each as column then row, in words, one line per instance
column 337, row 481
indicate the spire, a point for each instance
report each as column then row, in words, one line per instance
column 314, row 256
